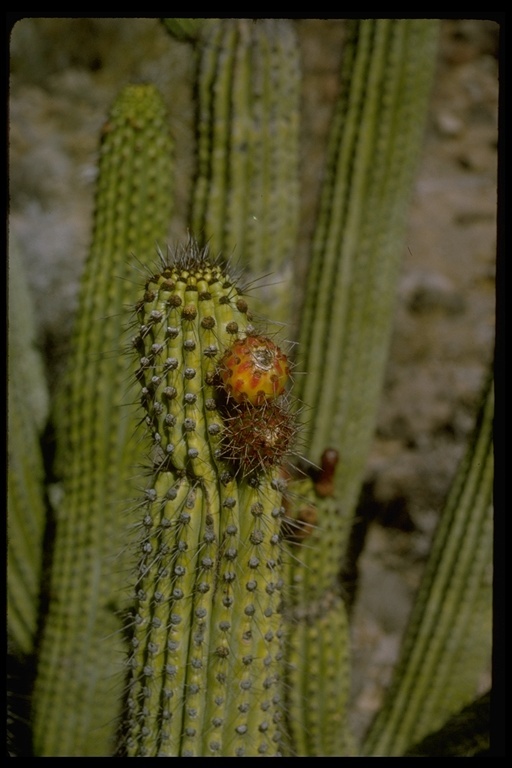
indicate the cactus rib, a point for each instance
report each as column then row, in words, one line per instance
column 317, row 637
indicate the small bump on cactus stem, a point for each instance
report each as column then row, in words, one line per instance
column 324, row 483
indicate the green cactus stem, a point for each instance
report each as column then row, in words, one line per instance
column 246, row 193
column 465, row 734
column 314, row 524
column 76, row 699
column 206, row 629
column 27, row 414
column 346, row 319
column 317, row 633
column 447, row 639
column 317, row 679
column 346, row 323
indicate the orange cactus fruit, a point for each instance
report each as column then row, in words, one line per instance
column 254, row 370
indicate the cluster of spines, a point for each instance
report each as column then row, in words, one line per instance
column 257, row 438
column 206, row 629
column 189, row 313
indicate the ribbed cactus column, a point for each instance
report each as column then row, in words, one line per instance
column 345, row 326
column 346, row 320
column 26, row 512
column 27, row 411
column 447, row 639
column 317, row 639
column 246, row 193
column 76, row 697
column 206, row 630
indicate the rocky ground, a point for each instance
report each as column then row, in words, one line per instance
column 64, row 76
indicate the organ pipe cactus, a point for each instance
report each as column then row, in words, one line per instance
column 97, row 449
column 442, row 633
column 26, row 508
column 355, row 253
column 204, row 671
column 246, row 193
column 195, row 606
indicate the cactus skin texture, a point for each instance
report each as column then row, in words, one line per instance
column 206, row 630
column 386, row 77
column 76, row 698
column 26, row 511
column 449, row 630
column 317, row 647
column 246, row 193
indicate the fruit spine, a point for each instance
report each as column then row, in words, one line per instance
column 206, row 630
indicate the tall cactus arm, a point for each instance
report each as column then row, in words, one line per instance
column 75, row 697
column 447, row 639
column 206, row 629
column 317, row 632
column 246, row 192
column 346, row 320
column 27, row 400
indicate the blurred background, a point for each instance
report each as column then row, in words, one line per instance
column 64, row 75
